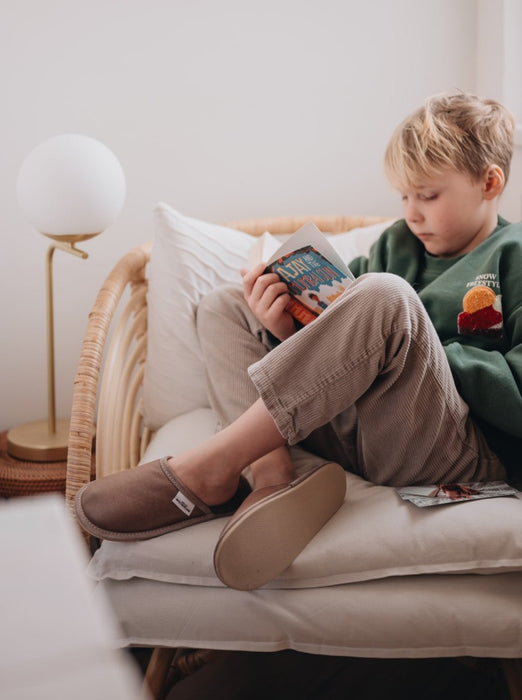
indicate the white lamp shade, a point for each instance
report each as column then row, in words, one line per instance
column 71, row 185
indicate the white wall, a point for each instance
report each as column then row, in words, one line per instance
column 499, row 67
column 223, row 109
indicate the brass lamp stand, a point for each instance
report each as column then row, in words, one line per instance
column 46, row 441
column 72, row 185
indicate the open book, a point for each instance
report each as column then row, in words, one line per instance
column 311, row 267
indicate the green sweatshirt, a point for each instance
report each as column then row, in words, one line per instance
column 484, row 345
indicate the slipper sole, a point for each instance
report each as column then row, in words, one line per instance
column 263, row 541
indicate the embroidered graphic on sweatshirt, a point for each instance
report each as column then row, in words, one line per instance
column 482, row 313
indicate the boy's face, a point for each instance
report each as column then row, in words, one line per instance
column 450, row 214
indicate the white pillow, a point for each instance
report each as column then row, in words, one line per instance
column 357, row 241
column 189, row 258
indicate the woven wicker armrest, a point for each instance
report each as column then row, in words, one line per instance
column 127, row 347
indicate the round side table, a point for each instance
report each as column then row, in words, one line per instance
column 23, row 478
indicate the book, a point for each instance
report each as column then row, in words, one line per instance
column 439, row 494
column 314, row 272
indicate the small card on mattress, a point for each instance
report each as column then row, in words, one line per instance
column 439, row 494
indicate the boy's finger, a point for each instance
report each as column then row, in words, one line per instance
column 250, row 276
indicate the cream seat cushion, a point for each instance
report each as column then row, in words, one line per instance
column 373, row 535
column 379, row 580
column 402, row 617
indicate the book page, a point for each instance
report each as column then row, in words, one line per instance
column 263, row 249
column 309, row 234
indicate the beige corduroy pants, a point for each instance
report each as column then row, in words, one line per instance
column 367, row 384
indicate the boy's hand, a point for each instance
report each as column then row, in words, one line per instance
column 267, row 298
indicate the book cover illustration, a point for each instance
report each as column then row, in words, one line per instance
column 315, row 273
column 439, row 494
column 313, row 282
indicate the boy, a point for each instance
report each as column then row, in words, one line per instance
column 412, row 376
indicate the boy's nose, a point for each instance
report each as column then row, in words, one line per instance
column 412, row 213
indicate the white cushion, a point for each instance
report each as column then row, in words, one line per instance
column 404, row 617
column 374, row 535
column 189, row 258
column 358, row 241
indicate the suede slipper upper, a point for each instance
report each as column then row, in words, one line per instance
column 144, row 502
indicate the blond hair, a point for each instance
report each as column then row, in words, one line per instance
column 451, row 131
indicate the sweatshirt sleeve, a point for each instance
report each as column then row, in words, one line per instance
column 358, row 266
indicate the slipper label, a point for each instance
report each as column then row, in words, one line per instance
column 183, row 503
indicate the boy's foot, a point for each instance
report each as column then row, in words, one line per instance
column 274, row 524
column 145, row 502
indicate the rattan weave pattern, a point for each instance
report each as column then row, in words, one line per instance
column 24, row 478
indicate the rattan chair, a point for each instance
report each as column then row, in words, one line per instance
column 116, row 339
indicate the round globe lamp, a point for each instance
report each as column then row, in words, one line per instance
column 70, row 188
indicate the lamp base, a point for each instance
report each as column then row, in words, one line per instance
column 33, row 442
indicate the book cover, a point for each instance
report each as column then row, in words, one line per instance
column 313, row 282
column 313, row 270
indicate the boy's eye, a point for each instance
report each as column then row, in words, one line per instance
column 422, row 197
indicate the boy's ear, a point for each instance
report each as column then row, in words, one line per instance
column 494, row 181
